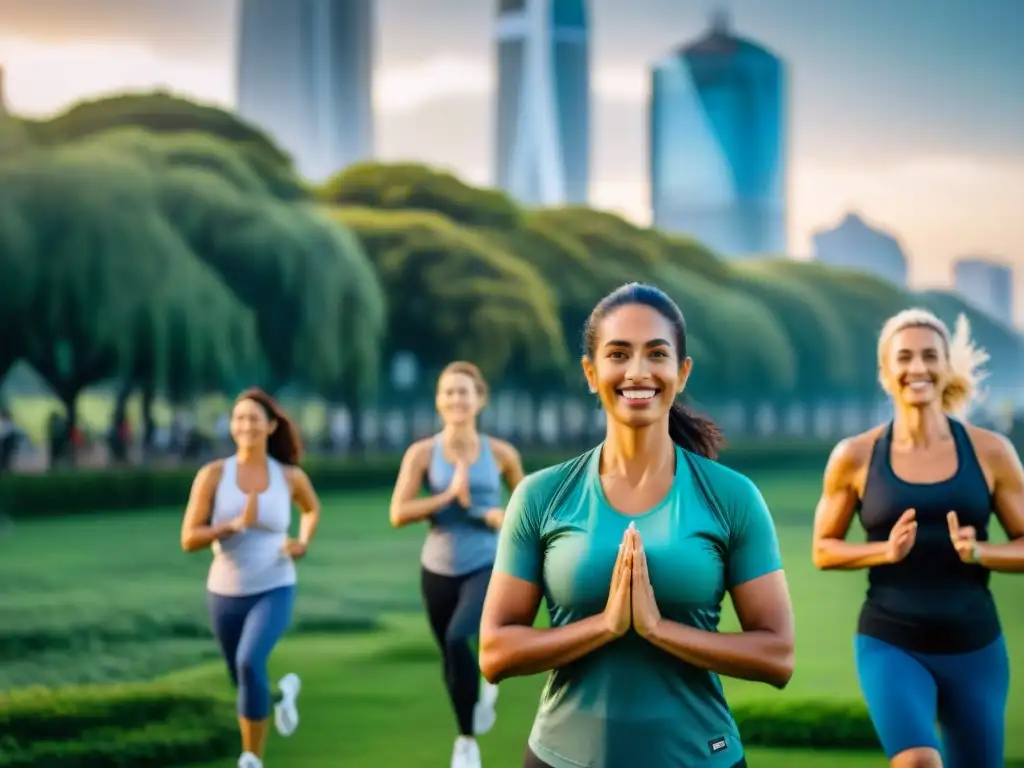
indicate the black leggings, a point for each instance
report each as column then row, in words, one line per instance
column 532, row 761
column 454, row 605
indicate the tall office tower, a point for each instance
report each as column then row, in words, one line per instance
column 988, row 285
column 542, row 155
column 305, row 75
column 856, row 245
column 718, row 149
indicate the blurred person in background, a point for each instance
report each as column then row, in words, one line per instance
column 634, row 545
column 929, row 646
column 8, row 440
column 462, row 471
column 241, row 507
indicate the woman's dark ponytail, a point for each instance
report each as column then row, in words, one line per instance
column 693, row 432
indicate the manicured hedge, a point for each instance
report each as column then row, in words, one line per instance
column 124, row 726
column 810, row 724
column 145, row 726
column 76, row 491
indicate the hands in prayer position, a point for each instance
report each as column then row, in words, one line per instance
column 631, row 601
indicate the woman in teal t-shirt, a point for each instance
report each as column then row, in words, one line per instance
column 634, row 544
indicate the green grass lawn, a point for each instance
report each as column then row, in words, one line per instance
column 111, row 597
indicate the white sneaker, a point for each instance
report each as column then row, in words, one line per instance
column 466, row 753
column 249, row 760
column 286, row 711
column 484, row 713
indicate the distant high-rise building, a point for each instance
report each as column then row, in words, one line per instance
column 854, row 244
column 988, row 285
column 718, row 149
column 305, row 75
column 543, row 101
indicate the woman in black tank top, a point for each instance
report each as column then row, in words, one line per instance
column 929, row 646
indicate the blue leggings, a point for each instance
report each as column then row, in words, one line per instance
column 247, row 629
column 906, row 693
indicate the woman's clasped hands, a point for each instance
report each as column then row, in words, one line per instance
column 631, row 602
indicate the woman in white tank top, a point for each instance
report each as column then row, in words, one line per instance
column 241, row 508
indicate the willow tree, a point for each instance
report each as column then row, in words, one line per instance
column 862, row 300
column 90, row 244
column 412, row 186
column 457, row 294
column 19, row 271
column 820, row 337
column 747, row 350
column 263, row 251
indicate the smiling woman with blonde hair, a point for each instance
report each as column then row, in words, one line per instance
column 929, row 645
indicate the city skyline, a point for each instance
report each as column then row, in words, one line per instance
column 919, row 133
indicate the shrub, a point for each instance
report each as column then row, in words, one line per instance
column 807, row 723
column 112, row 726
column 77, row 491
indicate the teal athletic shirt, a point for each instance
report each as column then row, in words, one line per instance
column 630, row 703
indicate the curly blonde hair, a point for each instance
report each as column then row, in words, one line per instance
column 965, row 358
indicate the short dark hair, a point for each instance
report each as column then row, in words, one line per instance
column 284, row 444
column 688, row 429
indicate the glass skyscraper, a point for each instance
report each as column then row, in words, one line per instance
column 305, row 75
column 855, row 244
column 718, row 144
column 542, row 126
column 988, row 285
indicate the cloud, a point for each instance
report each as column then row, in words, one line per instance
column 406, row 87
column 42, row 78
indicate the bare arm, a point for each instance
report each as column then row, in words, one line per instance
column 834, row 513
column 511, row 464
column 405, row 507
column 510, row 646
column 304, row 495
column 1008, row 498
column 196, row 532
column 762, row 652
column 512, row 473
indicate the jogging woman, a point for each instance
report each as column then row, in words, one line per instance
column 461, row 471
column 929, row 646
column 241, row 507
column 634, row 544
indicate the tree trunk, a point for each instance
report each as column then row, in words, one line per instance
column 69, row 398
column 148, row 419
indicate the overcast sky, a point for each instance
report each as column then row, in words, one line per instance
column 908, row 111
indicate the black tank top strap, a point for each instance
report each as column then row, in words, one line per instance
column 879, row 465
column 968, row 464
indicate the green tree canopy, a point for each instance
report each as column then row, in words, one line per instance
column 455, row 294
column 110, row 270
column 278, row 261
column 411, row 186
column 861, row 300
column 821, row 340
column 745, row 350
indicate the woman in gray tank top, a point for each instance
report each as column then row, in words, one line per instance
column 461, row 471
column 241, row 508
